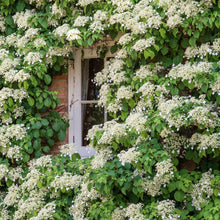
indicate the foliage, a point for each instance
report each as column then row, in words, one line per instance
column 159, row 156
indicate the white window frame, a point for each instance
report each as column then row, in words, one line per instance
column 74, row 97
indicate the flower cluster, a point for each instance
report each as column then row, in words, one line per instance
column 125, row 38
column 133, row 211
column 22, row 18
column 4, row 171
column 103, row 93
column 203, row 141
column 46, row 212
column 200, row 113
column 173, row 143
column 81, row 21
column 33, row 57
column 163, row 175
column 142, row 44
column 101, row 158
column 188, row 72
column 165, row 208
column 203, row 50
column 86, row 2
column 67, row 181
column 124, row 92
column 111, row 130
column 8, row 64
column 73, row 34
column 177, row 11
column 77, row 210
column 57, row 11
column 122, row 5
column 202, row 190
column 62, row 30
column 99, row 21
column 44, row 161
column 68, row 149
column 129, row 156
column 143, row 72
column 16, row 94
column 2, row 23
column 136, row 121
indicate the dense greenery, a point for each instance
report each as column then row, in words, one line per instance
column 159, row 157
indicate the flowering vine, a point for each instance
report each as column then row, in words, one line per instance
column 158, row 158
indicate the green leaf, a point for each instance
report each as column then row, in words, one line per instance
column 189, row 32
column 49, row 132
column 175, row 31
column 164, row 50
column 179, row 196
column 37, row 144
column 56, row 126
column 44, row 122
column 10, row 102
column 36, row 133
column 171, row 187
column 162, row 33
column 177, row 60
column 30, row 101
column 129, row 62
column 79, row 41
column 9, row 183
column 47, row 102
column 26, row 158
column 131, row 103
column 50, row 142
column 192, row 41
column 218, row 99
column 39, row 184
column 196, row 34
column 26, row 84
column 149, row 53
column 167, row 61
column 75, row 157
column 215, row 192
column 113, row 48
column 9, row 20
column 38, row 125
column 47, row 79
column 113, row 34
column 134, row 55
column 191, row 85
column 61, row 135
column 173, row 43
column 46, row 149
column 20, row 6
column 90, row 41
column 204, row 87
column 174, row 91
column 185, row 43
column 156, row 47
column 43, row 22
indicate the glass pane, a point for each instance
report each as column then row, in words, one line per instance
column 89, row 68
column 91, row 115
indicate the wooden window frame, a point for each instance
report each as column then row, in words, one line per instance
column 74, row 97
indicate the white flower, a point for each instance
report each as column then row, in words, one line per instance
column 73, row 34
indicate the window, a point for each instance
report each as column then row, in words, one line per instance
column 83, row 97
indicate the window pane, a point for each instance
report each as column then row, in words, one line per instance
column 89, row 68
column 91, row 115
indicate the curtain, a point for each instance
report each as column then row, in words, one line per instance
column 84, row 90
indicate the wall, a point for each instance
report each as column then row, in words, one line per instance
column 60, row 84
